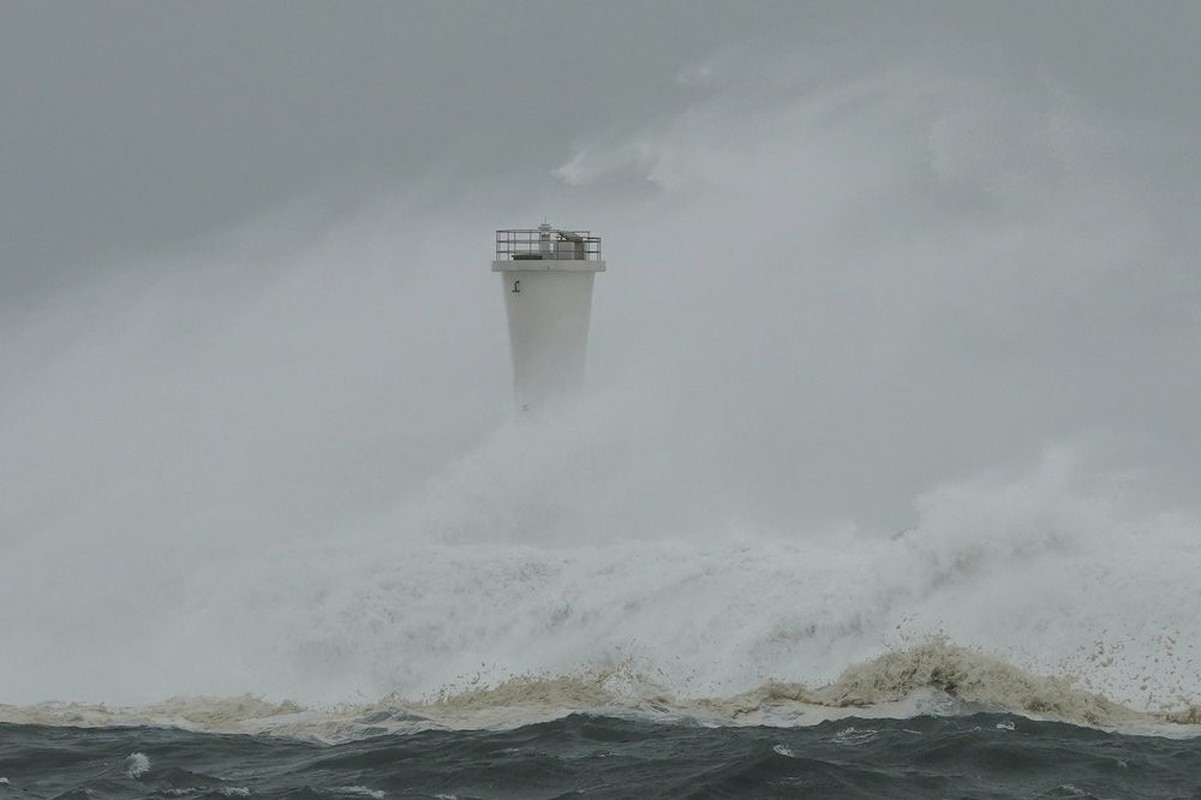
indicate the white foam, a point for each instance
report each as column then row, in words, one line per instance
column 136, row 765
column 1029, row 572
column 361, row 791
column 934, row 678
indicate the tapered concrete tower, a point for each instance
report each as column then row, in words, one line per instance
column 547, row 278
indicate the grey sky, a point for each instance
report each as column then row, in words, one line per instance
column 130, row 128
column 973, row 230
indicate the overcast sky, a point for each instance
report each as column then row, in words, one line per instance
column 863, row 247
column 133, row 128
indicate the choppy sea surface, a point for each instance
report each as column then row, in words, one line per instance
column 581, row 755
column 928, row 721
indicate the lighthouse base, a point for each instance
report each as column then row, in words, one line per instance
column 549, row 306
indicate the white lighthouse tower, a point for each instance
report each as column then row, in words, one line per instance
column 547, row 278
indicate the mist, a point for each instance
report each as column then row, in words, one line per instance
column 845, row 281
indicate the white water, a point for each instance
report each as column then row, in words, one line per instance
column 282, row 466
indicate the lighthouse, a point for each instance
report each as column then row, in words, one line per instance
column 547, row 278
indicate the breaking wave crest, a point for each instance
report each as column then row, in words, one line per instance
column 936, row 677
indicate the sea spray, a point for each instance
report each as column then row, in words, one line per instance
column 935, row 677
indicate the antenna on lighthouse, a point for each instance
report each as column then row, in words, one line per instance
column 547, row 278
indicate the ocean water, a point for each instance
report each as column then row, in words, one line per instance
column 976, row 755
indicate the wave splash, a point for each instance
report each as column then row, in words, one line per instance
column 936, row 677
column 463, row 591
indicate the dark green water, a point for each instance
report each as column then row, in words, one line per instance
column 980, row 756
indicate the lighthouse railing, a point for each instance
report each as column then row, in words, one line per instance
column 519, row 244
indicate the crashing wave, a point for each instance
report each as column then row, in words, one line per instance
column 936, row 677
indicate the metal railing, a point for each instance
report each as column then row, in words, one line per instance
column 522, row 244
